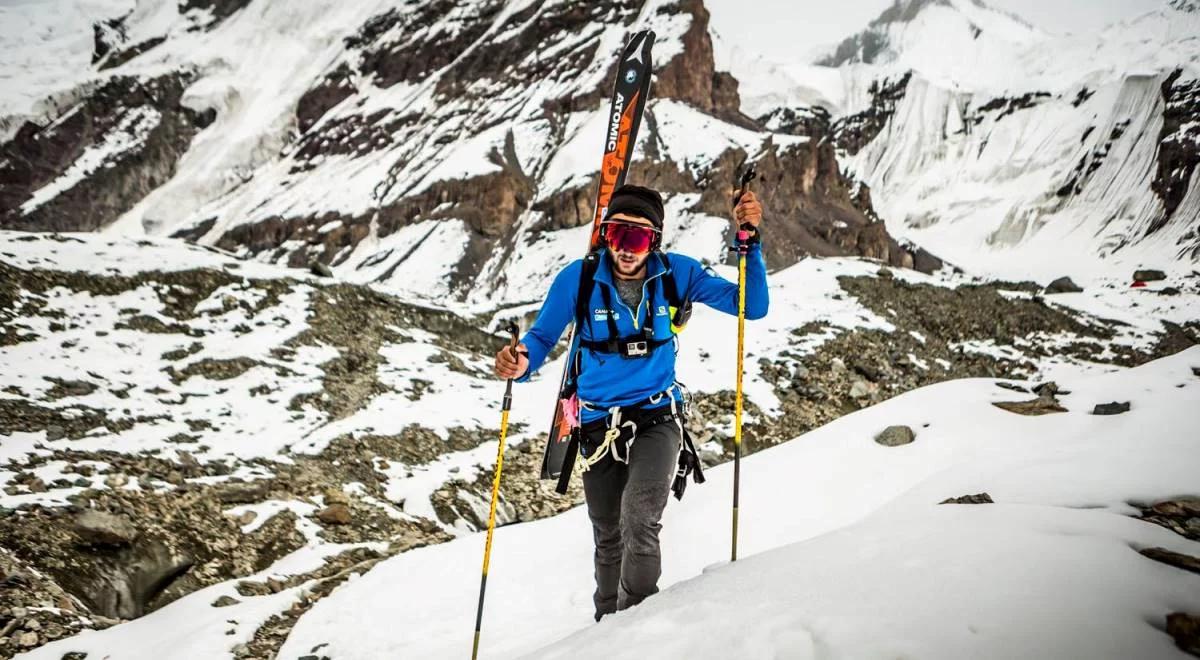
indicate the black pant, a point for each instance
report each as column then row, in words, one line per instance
column 625, row 503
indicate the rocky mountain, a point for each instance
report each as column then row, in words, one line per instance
column 428, row 146
column 1006, row 149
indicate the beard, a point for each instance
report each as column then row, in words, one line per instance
column 628, row 264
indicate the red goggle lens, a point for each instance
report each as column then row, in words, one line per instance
column 630, row 238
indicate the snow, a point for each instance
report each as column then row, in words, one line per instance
column 47, row 55
column 694, row 140
column 417, row 262
column 858, row 543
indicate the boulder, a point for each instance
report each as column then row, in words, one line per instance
column 1114, row 408
column 335, row 514
column 1043, row 405
column 225, row 601
column 859, row 390
column 336, row 496
column 103, row 528
column 1063, row 285
column 320, row 269
column 242, row 492
column 894, row 436
column 1149, row 275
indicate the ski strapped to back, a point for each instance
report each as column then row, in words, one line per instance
column 630, row 93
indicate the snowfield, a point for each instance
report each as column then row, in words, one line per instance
column 845, row 550
column 846, row 553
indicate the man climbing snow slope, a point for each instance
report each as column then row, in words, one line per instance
column 630, row 405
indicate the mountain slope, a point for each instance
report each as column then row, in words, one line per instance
column 869, row 541
column 425, row 146
column 1006, row 150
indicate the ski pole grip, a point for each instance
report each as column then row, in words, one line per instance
column 744, row 182
column 512, row 347
column 512, row 332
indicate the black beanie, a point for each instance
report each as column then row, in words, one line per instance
column 639, row 201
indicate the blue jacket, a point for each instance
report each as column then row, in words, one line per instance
column 610, row 379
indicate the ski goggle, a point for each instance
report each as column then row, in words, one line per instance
column 630, row 238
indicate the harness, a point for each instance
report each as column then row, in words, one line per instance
column 623, row 422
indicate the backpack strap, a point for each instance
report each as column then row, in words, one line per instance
column 587, row 281
column 683, row 308
column 670, row 290
column 613, row 333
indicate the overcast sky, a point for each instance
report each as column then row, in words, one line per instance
column 781, row 28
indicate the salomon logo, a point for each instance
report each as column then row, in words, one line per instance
column 630, row 75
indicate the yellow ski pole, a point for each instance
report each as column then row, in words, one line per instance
column 741, row 246
column 487, row 550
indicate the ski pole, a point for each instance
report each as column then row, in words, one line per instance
column 741, row 246
column 487, row 550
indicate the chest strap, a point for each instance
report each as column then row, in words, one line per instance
column 634, row 345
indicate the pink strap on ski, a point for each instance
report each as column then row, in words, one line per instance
column 570, row 411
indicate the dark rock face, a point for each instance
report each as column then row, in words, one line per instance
column 813, row 122
column 219, row 9
column 334, row 88
column 856, row 131
column 145, row 130
column 1063, row 285
column 811, row 208
column 691, row 77
column 507, row 61
column 106, row 36
column 1004, row 106
column 1179, row 143
column 118, row 57
column 401, row 46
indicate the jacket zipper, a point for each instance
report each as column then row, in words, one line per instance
column 622, row 302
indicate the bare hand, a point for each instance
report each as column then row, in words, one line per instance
column 509, row 364
column 748, row 210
